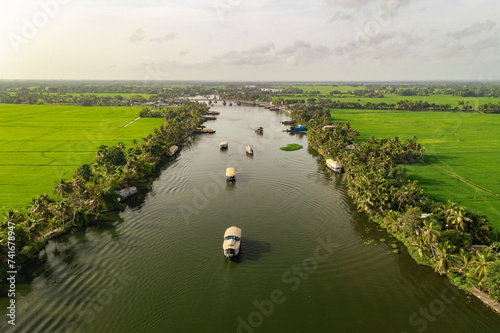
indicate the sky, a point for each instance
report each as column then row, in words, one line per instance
column 257, row 40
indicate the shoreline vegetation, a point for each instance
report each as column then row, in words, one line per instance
column 81, row 200
column 445, row 236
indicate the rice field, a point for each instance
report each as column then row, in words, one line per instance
column 464, row 144
column 41, row 144
column 393, row 98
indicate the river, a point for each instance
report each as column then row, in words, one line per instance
column 308, row 262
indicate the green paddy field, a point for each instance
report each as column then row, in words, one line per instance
column 466, row 145
column 41, row 144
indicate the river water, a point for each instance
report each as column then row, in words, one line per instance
column 308, row 262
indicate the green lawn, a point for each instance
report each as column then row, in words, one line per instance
column 464, row 144
column 41, row 144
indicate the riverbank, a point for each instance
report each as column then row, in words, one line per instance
column 81, row 200
column 436, row 234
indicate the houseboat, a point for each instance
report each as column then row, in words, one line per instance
column 230, row 174
column 223, row 145
column 334, row 165
column 207, row 117
column 259, row 129
column 126, row 193
column 249, row 150
column 232, row 241
column 172, row 150
column 204, row 130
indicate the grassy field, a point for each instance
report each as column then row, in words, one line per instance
column 393, row 98
column 41, row 144
column 463, row 144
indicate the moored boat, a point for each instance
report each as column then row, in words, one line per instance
column 249, row 150
column 334, row 165
column 172, row 150
column 230, row 174
column 223, row 145
column 126, row 193
column 232, row 241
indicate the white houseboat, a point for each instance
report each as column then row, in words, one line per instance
column 232, row 240
column 334, row 165
column 172, row 150
column 230, row 174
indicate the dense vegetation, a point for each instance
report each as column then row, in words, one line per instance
column 437, row 234
column 291, row 147
column 91, row 190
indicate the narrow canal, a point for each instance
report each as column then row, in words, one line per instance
column 309, row 262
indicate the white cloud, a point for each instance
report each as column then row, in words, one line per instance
column 474, row 29
column 341, row 16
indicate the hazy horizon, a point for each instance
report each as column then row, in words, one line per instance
column 258, row 41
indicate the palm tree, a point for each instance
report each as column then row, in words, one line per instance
column 480, row 264
column 456, row 217
column 464, row 258
column 443, row 257
column 430, row 234
column 63, row 187
column 34, row 227
column 12, row 216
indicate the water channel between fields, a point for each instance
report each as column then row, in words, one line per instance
column 308, row 262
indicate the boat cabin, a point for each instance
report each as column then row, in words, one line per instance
column 230, row 174
column 232, row 241
column 334, row 165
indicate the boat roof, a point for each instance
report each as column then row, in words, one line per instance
column 223, row 143
column 330, row 161
column 230, row 172
column 233, row 231
column 248, row 147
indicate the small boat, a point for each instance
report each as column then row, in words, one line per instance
column 334, row 165
column 223, row 145
column 249, row 150
column 172, row 150
column 259, row 129
column 230, row 174
column 204, row 130
column 126, row 193
column 232, row 240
